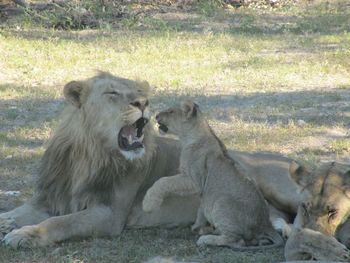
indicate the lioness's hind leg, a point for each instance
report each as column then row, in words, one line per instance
column 178, row 184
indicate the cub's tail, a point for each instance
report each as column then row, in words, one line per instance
column 269, row 236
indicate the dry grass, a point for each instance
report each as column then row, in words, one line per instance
column 268, row 79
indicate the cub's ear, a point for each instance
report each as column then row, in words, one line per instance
column 72, row 92
column 190, row 109
column 299, row 174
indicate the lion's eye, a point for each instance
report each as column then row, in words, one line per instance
column 171, row 111
column 332, row 213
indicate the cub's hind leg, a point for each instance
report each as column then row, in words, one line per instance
column 221, row 240
column 201, row 221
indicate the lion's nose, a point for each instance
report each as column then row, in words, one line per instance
column 140, row 103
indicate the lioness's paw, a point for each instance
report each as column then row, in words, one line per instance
column 282, row 227
column 6, row 226
column 27, row 236
column 337, row 251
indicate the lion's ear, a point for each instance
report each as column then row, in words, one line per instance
column 299, row 174
column 72, row 92
column 189, row 108
column 144, row 85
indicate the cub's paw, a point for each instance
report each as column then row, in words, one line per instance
column 195, row 227
column 27, row 236
column 203, row 241
column 151, row 202
column 6, row 226
column 202, row 229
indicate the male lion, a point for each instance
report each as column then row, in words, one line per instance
column 102, row 159
column 230, row 201
column 323, row 213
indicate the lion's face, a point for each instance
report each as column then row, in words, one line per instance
column 178, row 120
column 326, row 202
column 114, row 110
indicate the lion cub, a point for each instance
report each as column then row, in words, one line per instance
column 230, row 201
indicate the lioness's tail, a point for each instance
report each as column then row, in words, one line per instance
column 272, row 235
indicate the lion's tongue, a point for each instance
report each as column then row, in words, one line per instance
column 129, row 133
column 130, row 139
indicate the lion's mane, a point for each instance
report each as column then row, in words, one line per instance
column 76, row 170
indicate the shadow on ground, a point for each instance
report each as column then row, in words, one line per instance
column 257, row 107
column 327, row 107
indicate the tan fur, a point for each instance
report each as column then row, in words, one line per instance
column 230, row 201
column 323, row 213
column 307, row 244
column 326, row 197
column 87, row 187
column 86, row 184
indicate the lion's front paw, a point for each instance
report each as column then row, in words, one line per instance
column 151, row 202
column 6, row 226
column 27, row 236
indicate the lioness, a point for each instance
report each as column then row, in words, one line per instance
column 326, row 197
column 323, row 213
column 230, row 201
column 102, row 159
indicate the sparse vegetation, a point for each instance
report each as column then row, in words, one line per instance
column 269, row 78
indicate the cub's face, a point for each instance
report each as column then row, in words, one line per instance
column 115, row 111
column 178, row 120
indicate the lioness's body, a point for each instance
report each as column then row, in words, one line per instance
column 88, row 187
column 229, row 200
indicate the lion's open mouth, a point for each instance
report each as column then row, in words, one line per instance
column 163, row 127
column 131, row 136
